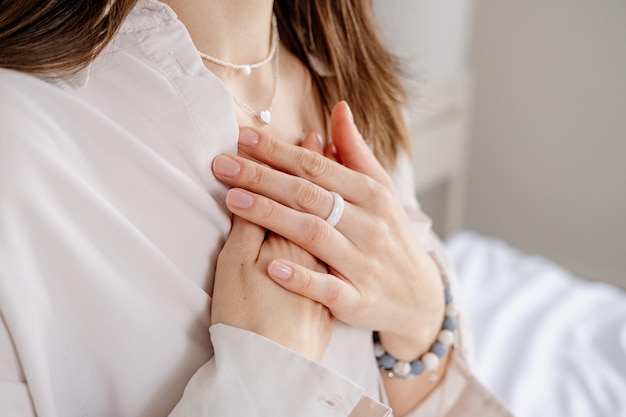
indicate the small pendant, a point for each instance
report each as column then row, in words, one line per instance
column 246, row 70
column 264, row 116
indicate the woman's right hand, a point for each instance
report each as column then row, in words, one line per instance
column 244, row 295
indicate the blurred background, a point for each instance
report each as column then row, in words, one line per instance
column 519, row 120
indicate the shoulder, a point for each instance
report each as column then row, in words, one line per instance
column 25, row 100
column 33, row 117
column 17, row 88
column 30, row 109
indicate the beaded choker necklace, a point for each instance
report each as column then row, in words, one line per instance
column 246, row 69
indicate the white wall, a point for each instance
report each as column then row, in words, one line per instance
column 432, row 39
column 547, row 167
column 431, row 36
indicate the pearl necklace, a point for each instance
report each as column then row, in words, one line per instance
column 264, row 116
column 247, row 68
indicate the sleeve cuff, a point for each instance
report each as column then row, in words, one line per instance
column 254, row 376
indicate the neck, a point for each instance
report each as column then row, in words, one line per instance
column 237, row 31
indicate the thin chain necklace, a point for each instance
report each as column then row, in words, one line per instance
column 246, row 69
column 264, row 116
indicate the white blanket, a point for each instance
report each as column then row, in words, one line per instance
column 547, row 343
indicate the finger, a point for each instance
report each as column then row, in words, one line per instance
column 300, row 162
column 288, row 190
column 242, row 229
column 336, row 294
column 356, row 224
column 302, row 195
column 245, row 236
column 330, row 152
column 350, row 146
column 310, row 232
column 313, row 142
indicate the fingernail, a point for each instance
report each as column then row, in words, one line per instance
column 280, row 271
column 248, row 137
column 226, row 166
column 239, row 199
column 350, row 115
column 319, row 138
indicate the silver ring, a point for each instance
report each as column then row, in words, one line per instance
column 337, row 211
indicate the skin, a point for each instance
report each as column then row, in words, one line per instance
column 389, row 284
column 287, row 192
column 245, row 297
column 239, row 31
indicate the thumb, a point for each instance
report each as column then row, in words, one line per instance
column 350, row 146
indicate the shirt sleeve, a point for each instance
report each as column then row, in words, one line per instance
column 15, row 400
column 250, row 375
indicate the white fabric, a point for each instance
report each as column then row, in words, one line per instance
column 111, row 221
column 547, row 343
column 110, row 225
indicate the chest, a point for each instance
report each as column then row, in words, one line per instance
column 289, row 100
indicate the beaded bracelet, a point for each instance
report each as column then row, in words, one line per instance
column 429, row 361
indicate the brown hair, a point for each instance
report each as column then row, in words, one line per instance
column 341, row 35
column 57, row 36
column 61, row 37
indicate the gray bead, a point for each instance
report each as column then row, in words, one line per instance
column 448, row 295
column 387, row 361
column 417, row 367
column 439, row 349
column 449, row 323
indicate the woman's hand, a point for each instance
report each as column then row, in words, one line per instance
column 244, row 296
column 381, row 278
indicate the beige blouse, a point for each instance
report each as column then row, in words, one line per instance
column 110, row 225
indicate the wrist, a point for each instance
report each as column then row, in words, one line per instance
column 414, row 336
column 397, row 363
column 410, row 344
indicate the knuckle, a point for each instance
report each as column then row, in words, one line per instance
column 256, row 176
column 316, row 231
column 271, row 146
column 333, row 296
column 314, row 165
column 377, row 193
column 377, row 270
column 377, row 230
column 305, row 282
column 308, row 196
column 369, row 300
column 375, row 189
column 268, row 211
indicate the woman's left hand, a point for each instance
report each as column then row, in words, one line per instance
column 381, row 277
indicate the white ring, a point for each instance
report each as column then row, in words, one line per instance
column 337, row 211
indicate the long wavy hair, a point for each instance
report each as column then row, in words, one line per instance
column 62, row 37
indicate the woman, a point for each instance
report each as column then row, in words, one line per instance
column 118, row 249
